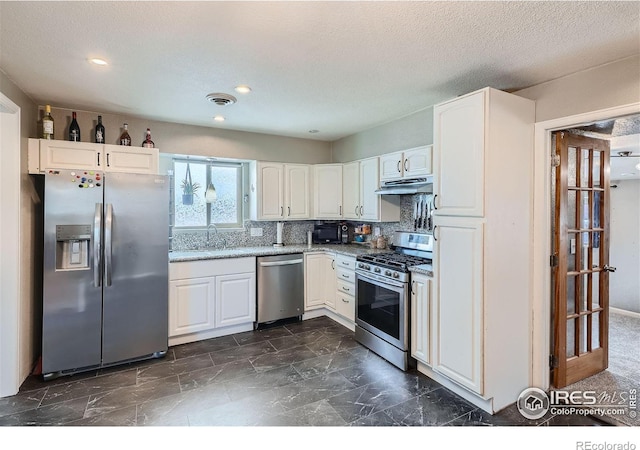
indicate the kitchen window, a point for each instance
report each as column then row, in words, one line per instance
column 190, row 181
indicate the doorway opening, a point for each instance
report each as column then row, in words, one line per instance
column 595, row 243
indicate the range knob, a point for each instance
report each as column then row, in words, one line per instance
column 360, row 266
column 387, row 273
column 367, row 267
column 377, row 270
column 396, row 275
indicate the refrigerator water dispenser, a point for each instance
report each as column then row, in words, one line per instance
column 72, row 247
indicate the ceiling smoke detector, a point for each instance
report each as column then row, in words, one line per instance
column 222, row 99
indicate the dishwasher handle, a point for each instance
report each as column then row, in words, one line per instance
column 289, row 262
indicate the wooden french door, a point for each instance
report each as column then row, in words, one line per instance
column 581, row 246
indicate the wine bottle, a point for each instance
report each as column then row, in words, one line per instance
column 148, row 143
column 125, row 139
column 47, row 123
column 99, row 133
column 74, row 129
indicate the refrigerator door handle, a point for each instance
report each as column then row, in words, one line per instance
column 97, row 238
column 108, row 223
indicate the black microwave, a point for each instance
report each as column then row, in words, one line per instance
column 327, row 233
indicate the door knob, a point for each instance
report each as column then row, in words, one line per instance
column 608, row 268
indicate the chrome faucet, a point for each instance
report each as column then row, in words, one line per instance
column 211, row 225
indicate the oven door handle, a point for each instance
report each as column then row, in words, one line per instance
column 378, row 281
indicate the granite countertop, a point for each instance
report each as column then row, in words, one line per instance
column 239, row 252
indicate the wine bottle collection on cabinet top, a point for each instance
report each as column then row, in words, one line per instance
column 99, row 134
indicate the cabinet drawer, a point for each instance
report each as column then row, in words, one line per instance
column 346, row 262
column 346, row 288
column 346, row 306
column 346, row 275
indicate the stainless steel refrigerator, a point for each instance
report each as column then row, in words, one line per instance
column 105, row 287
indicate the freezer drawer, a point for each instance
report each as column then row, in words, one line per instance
column 280, row 287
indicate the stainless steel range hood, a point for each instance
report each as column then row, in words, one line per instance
column 407, row 186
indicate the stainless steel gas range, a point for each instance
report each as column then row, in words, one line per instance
column 383, row 283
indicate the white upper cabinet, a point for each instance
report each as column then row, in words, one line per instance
column 459, row 140
column 360, row 202
column 296, row 191
column 369, row 182
column 280, row 191
column 327, row 191
column 47, row 154
column 351, row 190
column 412, row 163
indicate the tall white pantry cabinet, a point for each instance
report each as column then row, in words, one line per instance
column 483, row 168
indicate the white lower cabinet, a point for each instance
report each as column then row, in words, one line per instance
column 319, row 280
column 458, row 307
column 234, row 294
column 191, row 305
column 421, row 297
column 330, row 283
column 211, row 298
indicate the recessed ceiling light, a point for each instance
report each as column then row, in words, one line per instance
column 218, row 118
column 98, row 61
column 314, row 131
column 243, row 89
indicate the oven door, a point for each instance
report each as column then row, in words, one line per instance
column 382, row 309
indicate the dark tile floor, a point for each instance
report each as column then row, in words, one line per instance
column 310, row 373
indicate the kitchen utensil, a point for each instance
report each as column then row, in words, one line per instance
column 415, row 215
column 419, row 212
column 424, row 211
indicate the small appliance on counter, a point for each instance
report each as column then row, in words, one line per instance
column 327, row 233
column 346, row 233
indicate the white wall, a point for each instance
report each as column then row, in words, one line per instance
column 30, row 270
column 194, row 140
column 624, row 284
column 609, row 85
column 410, row 131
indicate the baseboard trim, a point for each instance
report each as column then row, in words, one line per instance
column 624, row 312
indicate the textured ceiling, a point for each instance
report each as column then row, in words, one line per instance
column 338, row 67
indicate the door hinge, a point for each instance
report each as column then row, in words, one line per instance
column 553, row 361
column 553, row 260
column 555, row 160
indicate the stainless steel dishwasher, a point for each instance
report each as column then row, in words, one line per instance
column 280, row 287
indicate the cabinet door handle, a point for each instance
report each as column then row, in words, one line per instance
column 356, row 210
column 399, row 162
column 434, row 201
column 434, row 233
column 108, row 164
column 282, row 211
column 98, row 159
column 333, row 264
column 413, row 291
column 361, row 211
column 340, row 213
column 406, row 166
column 345, row 276
column 345, row 289
column 288, row 210
column 344, row 263
column 346, row 301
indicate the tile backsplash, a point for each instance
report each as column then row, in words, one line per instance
column 293, row 232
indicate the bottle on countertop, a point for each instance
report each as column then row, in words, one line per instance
column 47, row 123
column 99, row 132
column 125, row 139
column 148, row 143
column 74, row 129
